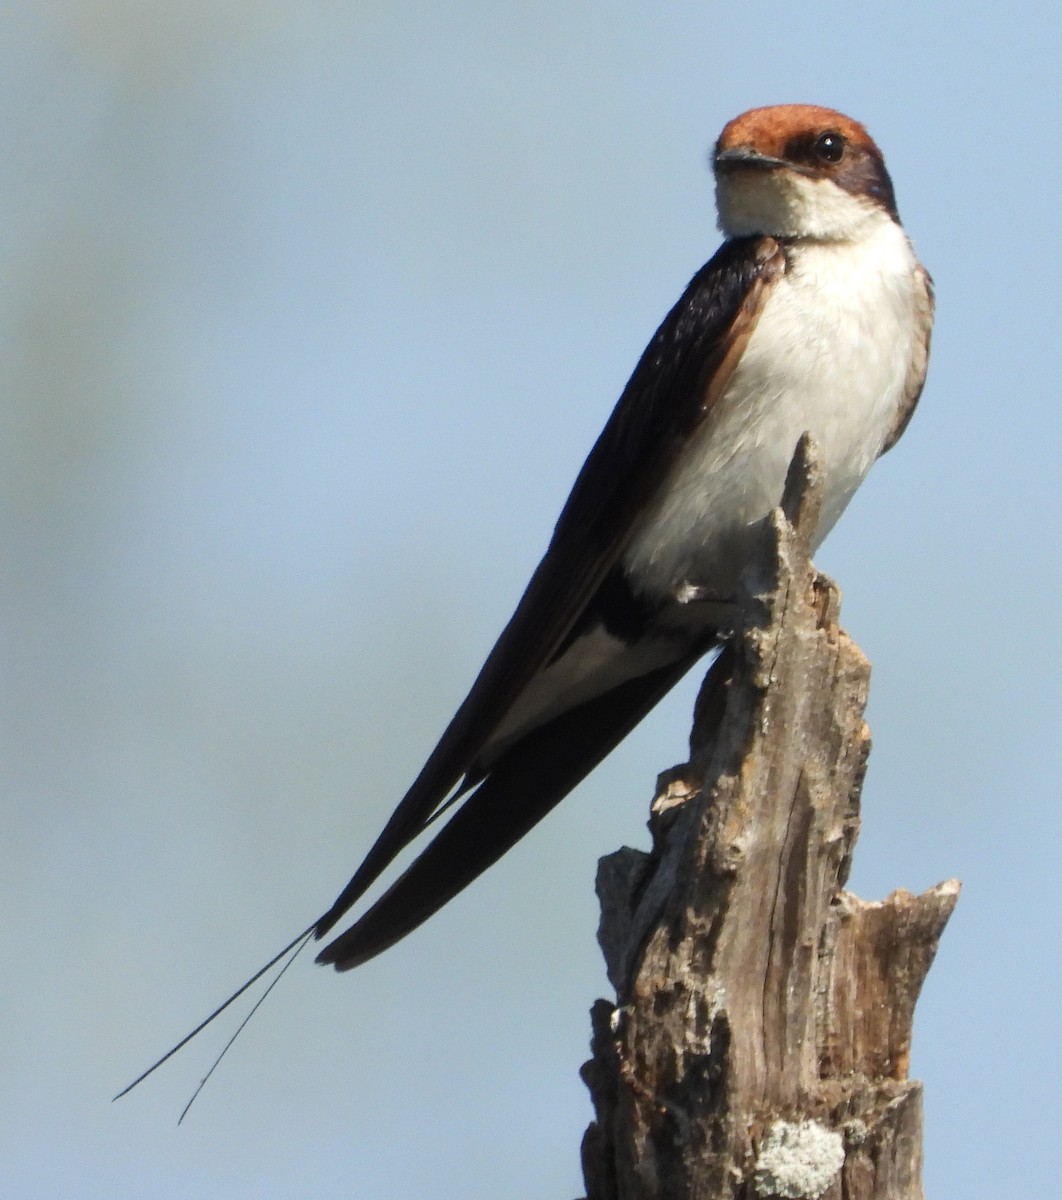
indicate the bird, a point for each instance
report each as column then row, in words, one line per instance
column 813, row 316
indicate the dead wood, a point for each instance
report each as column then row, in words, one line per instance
column 760, row 1038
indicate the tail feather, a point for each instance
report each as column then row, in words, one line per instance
column 528, row 779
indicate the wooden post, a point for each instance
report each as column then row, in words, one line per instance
column 760, row 1039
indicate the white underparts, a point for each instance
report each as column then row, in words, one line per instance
column 829, row 356
column 593, row 664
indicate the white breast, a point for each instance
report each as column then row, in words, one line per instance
column 829, row 356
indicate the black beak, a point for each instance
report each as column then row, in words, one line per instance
column 746, row 156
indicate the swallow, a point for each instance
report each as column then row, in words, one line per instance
column 814, row 315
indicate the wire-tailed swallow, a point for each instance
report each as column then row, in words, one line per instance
column 813, row 316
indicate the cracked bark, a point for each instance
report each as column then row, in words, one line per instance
column 760, row 1039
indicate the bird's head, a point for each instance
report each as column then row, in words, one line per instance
column 796, row 170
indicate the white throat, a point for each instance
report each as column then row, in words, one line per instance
column 784, row 203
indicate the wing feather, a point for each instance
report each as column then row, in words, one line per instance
column 925, row 304
column 678, row 378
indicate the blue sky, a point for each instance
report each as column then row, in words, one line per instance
column 309, row 318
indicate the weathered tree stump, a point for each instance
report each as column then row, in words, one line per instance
column 760, row 1039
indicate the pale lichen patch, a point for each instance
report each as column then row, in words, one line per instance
column 798, row 1161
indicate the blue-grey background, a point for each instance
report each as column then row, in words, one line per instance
column 308, row 316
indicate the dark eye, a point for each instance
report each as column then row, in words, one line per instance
column 829, row 147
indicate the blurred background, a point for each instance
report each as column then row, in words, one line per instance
column 309, row 314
